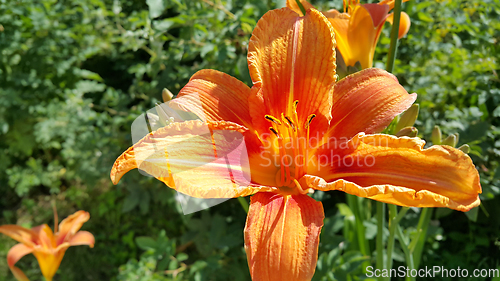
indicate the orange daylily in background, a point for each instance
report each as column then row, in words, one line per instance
column 358, row 30
column 48, row 248
column 302, row 131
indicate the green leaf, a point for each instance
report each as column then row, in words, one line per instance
column 156, row 8
column 145, row 243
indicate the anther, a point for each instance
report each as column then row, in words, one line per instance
column 290, row 122
column 274, row 131
column 295, row 104
column 309, row 120
column 273, row 119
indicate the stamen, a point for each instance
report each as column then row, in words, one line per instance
column 295, row 104
column 274, row 131
column 290, row 122
column 309, row 120
column 273, row 119
column 299, row 187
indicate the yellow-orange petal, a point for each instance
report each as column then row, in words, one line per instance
column 400, row 171
column 17, row 252
column 363, row 33
column 49, row 261
column 390, row 3
column 293, row 58
column 18, row 274
column 340, row 24
column 82, row 238
column 367, row 101
column 292, row 4
column 70, row 226
column 203, row 160
column 404, row 23
column 20, row 234
column 282, row 236
column 215, row 96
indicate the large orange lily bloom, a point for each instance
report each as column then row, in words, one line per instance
column 302, row 131
column 48, row 248
column 358, row 30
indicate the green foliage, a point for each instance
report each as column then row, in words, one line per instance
column 75, row 74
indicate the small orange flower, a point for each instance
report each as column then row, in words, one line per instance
column 48, row 248
column 358, row 30
column 297, row 129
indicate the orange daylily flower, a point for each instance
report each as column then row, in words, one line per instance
column 302, row 130
column 358, row 30
column 48, row 248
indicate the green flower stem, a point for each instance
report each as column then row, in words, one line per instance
column 364, row 247
column 302, row 9
column 394, row 218
column 391, row 57
column 380, row 234
column 244, row 203
column 418, row 241
column 404, row 245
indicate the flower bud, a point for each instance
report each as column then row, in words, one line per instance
column 407, row 132
column 451, row 140
column 408, row 118
column 436, row 135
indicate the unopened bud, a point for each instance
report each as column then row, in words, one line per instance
column 457, row 136
column 407, row 132
column 436, row 135
column 465, row 148
column 451, row 140
column 166, row 95
column 408, row 118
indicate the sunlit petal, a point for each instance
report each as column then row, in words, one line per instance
column 400, row 171
column 367, row 101
column 215, row 96
column 293, row 58
column 282, row 236
column 204, row 160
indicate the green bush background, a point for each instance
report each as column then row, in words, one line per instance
column 74, row 74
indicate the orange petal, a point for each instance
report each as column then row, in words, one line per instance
column 18, row 274
column 400, row 171
column 340, row 24
column 293, row 58
column 204, row 160
column 17, row 252
column 367, row 101
column 404, row 23
column 20, row 234
column 215, row 96
column 292, row 4
column 282, row 236
column 82, row 238
column 70, row 226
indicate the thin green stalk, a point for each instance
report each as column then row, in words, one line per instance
column 244, row 203
column 394, row 218
column 391, row 57
column 302, row 9
column 364, row 247
column 380, row 235
column 408, row 256
column 417, row 245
